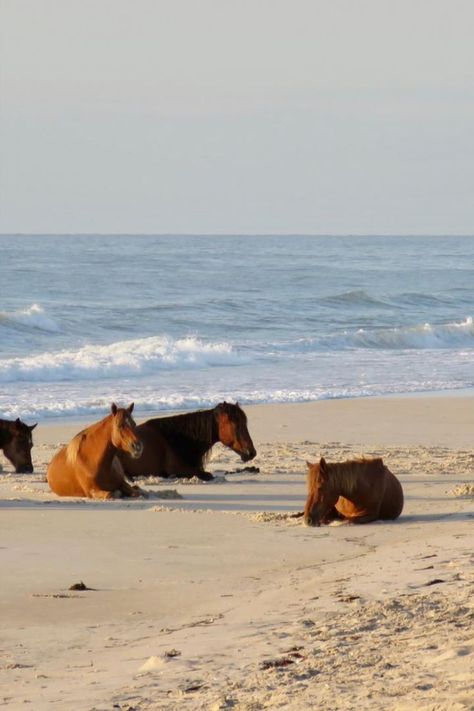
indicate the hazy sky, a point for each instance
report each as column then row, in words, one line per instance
column 247, row 116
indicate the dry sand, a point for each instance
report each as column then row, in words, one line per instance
column 218, row 600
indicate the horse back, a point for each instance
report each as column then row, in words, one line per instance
column 167, row 450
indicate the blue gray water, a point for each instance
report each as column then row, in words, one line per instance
column 183, row 322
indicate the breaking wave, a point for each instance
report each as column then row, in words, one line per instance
column 34, row 317
column 123, row 359
column 146, row 356
column 426, row 336
column 456, row 334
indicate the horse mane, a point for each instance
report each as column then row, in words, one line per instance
column 192, row 434
column 199, row 424
column 74, row 446
column 12, row 425
column 72, row 449
column 7, row 424
column 345, row 474
column 8, row 428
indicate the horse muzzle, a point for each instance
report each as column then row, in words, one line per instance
column 248, row 454
column 309, row 521
column 136, row 450
column 26, row 469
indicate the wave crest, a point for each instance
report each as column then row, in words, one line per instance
column 122, row 359
column 426, row 336
column 34, row 317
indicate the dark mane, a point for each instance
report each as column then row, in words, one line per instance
column 199, row 425
column 8, row 428
column 194, row 433
column 7, row 425
column 346, row 474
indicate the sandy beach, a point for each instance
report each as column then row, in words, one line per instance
column 208, row 595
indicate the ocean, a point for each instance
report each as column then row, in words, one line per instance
column 183, row 322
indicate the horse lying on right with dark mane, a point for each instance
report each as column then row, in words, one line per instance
column 359, row 490
column 177, row 446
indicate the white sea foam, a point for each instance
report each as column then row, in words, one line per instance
column 33, row 317
column 83, row 400
column 122, row 359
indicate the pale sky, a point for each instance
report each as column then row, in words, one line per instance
column 243, row 116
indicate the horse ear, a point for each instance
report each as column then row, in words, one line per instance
column 17, row 421
column 308, row 464
column 113, row 408
column 322, row 465
column 33, row 427
column 130, row 407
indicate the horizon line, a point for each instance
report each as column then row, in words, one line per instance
column 235, row 234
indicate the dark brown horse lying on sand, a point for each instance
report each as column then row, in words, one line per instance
column 16, row 442
column 86, row 466
column 177, row 446
column 359, row 490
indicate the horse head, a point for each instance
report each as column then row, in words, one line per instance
column 124, row 431
column 321, row 496
column 232, row 430
column 18, row 448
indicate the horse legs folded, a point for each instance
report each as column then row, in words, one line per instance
column 332, row 515
column 132, row 491
column 186, row 472
column 364, row 519
column 100, row 494
column 205, row 476
column 122, row 484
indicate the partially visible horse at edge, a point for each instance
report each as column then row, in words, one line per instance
column 87, row 465
column 16, row 442
column 177, row 446
column 359, row 490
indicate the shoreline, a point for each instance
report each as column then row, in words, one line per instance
column 443, row 419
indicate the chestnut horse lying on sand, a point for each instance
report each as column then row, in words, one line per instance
column 359, row 490
column 86, row 467
column 16, row 442
column 177, row 446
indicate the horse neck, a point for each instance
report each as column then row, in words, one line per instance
column 99, row 440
